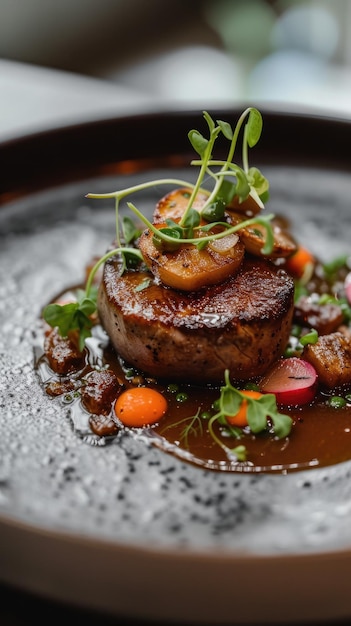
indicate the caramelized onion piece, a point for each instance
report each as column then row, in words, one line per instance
column 224, row 245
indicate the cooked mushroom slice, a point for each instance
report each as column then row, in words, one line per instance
column 253, row 238
column 247, row 208
column 173, row 205
column 190, row 269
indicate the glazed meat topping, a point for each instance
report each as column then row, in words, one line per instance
column 99, row 391
column 62, row 353
column 324, row 318
column 331, row 357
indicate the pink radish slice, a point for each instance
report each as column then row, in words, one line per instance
column 347, row 285
column 293, row 381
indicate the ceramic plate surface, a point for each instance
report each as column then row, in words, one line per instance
column 125, row 527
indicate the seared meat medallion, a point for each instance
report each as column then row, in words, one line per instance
column 242, row 324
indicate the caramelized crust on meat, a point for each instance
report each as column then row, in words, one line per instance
column 242, row 324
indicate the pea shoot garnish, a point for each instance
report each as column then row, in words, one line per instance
column 254, row 411
column 196, row 228
column 73, row 316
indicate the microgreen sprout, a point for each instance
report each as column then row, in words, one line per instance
column 229, row 180
column 262, row 416
column 192, row 426
column 72, row 316
column 258, row 412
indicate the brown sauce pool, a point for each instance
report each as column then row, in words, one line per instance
column 320, row 436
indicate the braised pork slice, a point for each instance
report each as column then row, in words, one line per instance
column 242, row 324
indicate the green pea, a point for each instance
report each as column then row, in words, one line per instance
column 336, row 402
column 205, row 415
column 173, row 387
column 181, row 397
column 252, row 387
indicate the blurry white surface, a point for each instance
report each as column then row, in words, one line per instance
column 34, row 98
column 133, row 56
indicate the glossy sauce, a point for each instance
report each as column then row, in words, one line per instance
column 320, row 436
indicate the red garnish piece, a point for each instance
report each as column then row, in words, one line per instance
column 293, row 381
column 347, row 285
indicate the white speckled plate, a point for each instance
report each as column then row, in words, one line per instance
column 127, row 528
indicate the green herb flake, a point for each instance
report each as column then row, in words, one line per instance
column 143, row 285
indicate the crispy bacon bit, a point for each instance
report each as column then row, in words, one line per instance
column 331, row 357
column 62, row 354
column 100, row 391
column 324, row 318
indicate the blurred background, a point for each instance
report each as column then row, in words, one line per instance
column 103, row 56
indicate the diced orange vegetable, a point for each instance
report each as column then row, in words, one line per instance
column 140, row 406
column 301, row 261
column 240, row 419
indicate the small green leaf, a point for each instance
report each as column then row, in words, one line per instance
column 192, row 219
column 167, row 245
column 240, row 452
column 309, row 338
column 215, row 211
column 62, row 316
column 258, row 181
column 242, row 188
column 130, row 231
column 231, row 400
column 143, row 285
column 131, row 259
column 198, row 142
column 281, row 424
column 226, row 129
column 254, row 127
column 87, row 306
column 226, row 192
column 72, row 316
column 268, row 403
column 256, row 415
column 264, row 197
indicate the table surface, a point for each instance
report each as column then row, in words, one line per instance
column 35, row 99
column 19, row 608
